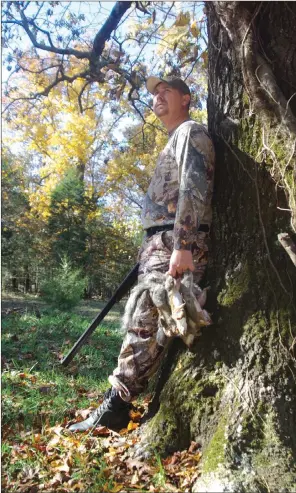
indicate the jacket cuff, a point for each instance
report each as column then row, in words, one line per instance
column 182, row 244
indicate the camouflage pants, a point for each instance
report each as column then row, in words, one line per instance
column 140, row 354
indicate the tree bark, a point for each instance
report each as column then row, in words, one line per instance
column 235, row 393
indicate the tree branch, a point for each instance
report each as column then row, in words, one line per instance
column 38, row 71
column 96, row 62
column 80, row 95
column 110, row 25
column 47, row 90
column 51, row 48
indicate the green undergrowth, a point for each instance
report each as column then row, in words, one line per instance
column 38, row 392
column 36, row 388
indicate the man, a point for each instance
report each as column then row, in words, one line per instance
column 176, row 217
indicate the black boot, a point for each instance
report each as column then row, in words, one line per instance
column 113, row 413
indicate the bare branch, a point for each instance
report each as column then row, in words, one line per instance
column 47, row 34
column 38, row 71
column 132, row 100
column 129, row 197
column 51, row 48
column 47, row 90
column 80, row 95
column 110, row 25
column 141, row 6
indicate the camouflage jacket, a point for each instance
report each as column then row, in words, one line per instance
column 181, row 188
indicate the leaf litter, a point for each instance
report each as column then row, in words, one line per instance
column 57, row 460
column 46, row 458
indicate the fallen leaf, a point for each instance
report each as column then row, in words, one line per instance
column 28, row 356
column 134, row 463
column 46, row 389
column 193, row 447
column 170, row 487
column 148, row 398
column 92, row 395
column 53, row 442
column 135, row 415
column 57, row 429
column 42, row 448
column 140, row 466
column 135, row 478
column 123, row 431
column 63, row 468
column 118, row 487
column 6, row 431
column 84, row 412
column 82, row 390
column 101, row 431
column 132, row 426
column 107, row 442
column 58, row 479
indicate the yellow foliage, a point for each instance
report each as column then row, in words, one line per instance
column 183, row 19
column 61, row 135
column 194, row 29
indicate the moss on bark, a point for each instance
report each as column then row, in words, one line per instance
column 214, row 454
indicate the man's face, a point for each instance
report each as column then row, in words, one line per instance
column 168, row 102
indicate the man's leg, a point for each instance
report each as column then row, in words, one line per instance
column 140, row 354
column 139, row 358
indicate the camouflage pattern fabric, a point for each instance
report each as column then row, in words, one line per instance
column 181, row 188
column 141, row 353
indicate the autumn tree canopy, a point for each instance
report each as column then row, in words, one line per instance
column 75, row 105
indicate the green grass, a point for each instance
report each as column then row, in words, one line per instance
column 35, row 386
column 39, row 393
column 159, row 478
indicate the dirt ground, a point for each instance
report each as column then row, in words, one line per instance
column 89, row 308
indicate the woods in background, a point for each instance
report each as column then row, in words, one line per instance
column 80, row 141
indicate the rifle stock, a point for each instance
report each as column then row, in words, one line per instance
column 126, row 284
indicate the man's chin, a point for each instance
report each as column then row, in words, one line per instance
column 161, row 111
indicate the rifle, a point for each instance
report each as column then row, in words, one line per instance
column 126, row 284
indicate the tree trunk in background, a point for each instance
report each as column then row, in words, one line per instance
column 14, row 283
column 235, row 393
column 27, row 280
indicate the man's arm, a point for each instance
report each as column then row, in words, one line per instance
column 195, row 158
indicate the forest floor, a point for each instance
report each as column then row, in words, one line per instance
column 40, row 398
column 88, row 308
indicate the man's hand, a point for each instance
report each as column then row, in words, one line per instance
column 181, row 260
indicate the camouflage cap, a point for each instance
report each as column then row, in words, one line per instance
column 174, row 82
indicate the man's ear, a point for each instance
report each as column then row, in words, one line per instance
column 186, row 100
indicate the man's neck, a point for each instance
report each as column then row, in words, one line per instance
column 172, row 125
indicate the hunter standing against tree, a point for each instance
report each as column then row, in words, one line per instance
column 176, row 218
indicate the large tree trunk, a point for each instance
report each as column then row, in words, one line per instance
column 235, row 393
